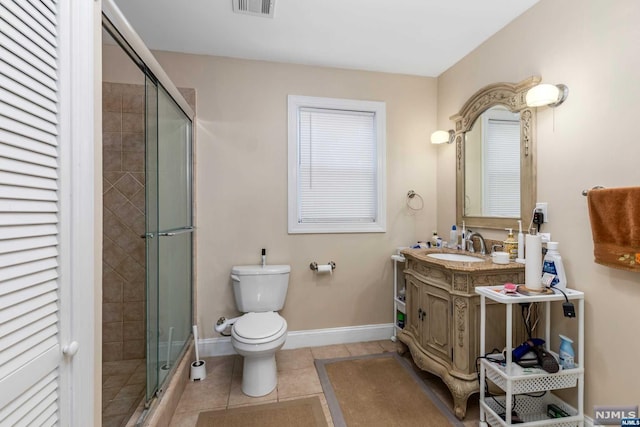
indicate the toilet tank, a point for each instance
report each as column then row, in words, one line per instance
column 260, row 288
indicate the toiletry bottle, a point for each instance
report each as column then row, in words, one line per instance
column 552, row 264
column 510, row 245
column 520, row 258
column 434, row 240
column 453, row 237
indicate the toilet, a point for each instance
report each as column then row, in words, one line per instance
column 259, row 292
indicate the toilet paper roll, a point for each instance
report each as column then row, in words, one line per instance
column 326, row 268
column 533, row 262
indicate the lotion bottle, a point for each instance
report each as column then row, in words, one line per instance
column 520, row 258
column 453, row 237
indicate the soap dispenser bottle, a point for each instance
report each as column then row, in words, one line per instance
column 510, row 245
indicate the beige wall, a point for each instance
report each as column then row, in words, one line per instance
column 591, row 46
column 241, row 185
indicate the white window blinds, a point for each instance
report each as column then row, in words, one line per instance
column 337, row 168
column 29, row 336
column 502, row 169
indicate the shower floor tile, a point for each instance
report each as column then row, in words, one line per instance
column 122, row 390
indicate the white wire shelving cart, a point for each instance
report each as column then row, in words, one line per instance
column 399, row 304
column 520, row 384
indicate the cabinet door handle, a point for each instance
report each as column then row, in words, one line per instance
column 420, row 313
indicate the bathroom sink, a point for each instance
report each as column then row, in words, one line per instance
column 456, row 257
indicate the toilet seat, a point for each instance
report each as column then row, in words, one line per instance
column 257, row 328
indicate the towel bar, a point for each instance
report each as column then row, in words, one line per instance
column 585, row 192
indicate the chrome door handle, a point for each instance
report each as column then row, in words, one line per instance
column 175, row 231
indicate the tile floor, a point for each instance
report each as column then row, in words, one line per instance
column 123, row 384
column 297, row 378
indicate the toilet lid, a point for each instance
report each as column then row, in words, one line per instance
column 259, row 325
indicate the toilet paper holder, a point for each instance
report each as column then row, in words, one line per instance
column 314, row 265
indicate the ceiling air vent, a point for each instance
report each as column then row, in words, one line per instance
column 263, row 8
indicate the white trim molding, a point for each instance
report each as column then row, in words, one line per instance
column 210, row 347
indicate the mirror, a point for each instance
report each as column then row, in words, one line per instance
column 495, row 161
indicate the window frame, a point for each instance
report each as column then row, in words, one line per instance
column 378, row 108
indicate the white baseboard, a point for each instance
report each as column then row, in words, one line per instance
column 310, row 338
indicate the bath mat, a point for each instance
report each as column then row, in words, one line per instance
column 290, row 413
column 380, row 390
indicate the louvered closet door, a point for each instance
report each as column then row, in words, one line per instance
column 29, row 308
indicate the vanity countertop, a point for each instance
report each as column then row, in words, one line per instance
column 486, row 265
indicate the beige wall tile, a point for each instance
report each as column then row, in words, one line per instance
column 128, row 185
column 111, row 351
column 133, row 161
column 133, row 349
column 133, row 122
column 132, row 141
column 113, row 199
column 132, row 103
column 112, row 332
column 111, row 122
column 133, row 310
column 133, row 330
column 112, row 312
column 112, row 141
column 112, row 102
column 112, row 161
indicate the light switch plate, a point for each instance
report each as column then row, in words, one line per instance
column 546, row 237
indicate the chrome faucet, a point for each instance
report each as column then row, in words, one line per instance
column 469, row 243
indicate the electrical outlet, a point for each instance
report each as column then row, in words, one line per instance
column 542, row 206
column 546, row 237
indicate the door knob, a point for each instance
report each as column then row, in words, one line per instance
column 71, row 349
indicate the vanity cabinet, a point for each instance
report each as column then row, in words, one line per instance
column 443, row 317
column 431, row 324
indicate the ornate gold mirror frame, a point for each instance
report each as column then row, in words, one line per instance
column 512, row 97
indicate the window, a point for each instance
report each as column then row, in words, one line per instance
column 336, row 165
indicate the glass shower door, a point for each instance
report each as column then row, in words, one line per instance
column 168, row 233
column 175, row 232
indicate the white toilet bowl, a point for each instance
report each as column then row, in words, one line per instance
column 257, row 337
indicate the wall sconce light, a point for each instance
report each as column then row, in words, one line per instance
column 547, row 94
column 442, row 136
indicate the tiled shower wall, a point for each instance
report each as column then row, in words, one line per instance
column 123, row 271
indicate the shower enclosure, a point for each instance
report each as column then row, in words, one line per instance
column 148, row 226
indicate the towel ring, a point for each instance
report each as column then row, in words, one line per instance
column 410, row 196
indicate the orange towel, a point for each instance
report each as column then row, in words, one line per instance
column 615, row 225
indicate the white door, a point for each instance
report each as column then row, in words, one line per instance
column 41, row 333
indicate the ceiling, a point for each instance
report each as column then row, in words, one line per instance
column 418, row 37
